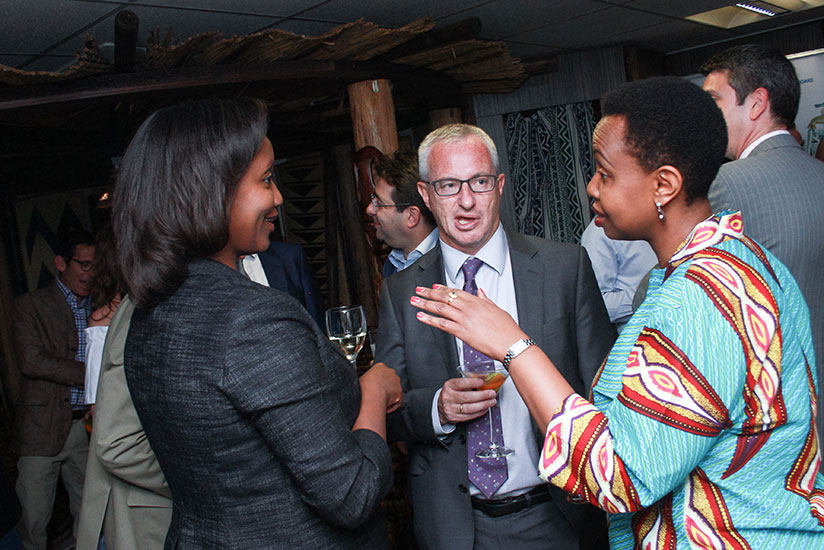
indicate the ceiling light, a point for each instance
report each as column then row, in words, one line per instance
column 756, row 9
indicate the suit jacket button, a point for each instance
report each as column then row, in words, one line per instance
column 462, row 488
column 463, row 439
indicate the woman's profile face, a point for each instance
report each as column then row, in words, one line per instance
column 624, row 203
column 254, row 208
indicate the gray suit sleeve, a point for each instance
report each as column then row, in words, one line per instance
column 413, row 421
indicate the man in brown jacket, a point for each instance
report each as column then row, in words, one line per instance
column 50, row 435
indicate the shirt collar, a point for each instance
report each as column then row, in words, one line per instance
column 493, row 254
column 760, row 140
column 72, row 299
column 401, row 262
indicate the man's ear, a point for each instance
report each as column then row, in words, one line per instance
column 412, row 216
column 759, row 101
column 669, row 184
column 424, row 193
column 60, row 264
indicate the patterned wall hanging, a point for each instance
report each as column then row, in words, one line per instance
column 301, row 183
column 550, row 161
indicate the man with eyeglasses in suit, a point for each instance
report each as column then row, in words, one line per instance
column 401, row 218
column 462, row 500
column 50, row 436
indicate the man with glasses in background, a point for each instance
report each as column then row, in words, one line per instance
column 401, row 218
column 460, row 501
column 50, row 436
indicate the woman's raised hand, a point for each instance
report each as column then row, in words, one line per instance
column 476, row 320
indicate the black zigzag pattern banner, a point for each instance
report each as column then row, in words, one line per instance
column 301, row 184
column 41, row 222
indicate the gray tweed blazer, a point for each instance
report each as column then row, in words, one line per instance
column 249, row 410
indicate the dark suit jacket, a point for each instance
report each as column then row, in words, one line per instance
column 778, row 188
column 249, row 410
column 288, row 269
column 46, row 340
column 559, row 306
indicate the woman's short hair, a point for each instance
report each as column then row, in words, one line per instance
column 453, row 133
column 174, row 187
column 671, row 121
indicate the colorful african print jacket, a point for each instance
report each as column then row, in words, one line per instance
column 700, row 429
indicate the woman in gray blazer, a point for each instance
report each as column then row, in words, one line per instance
column 265, row 434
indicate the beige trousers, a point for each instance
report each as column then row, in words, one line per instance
column 37, row 485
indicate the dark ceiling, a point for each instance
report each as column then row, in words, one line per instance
column 76, row 136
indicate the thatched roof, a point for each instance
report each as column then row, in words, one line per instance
column 91, row 109
column 477, row 66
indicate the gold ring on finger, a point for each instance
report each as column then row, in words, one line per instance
column 452, row 295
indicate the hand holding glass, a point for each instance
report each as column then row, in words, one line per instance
column 494, row 375
column 346, row 327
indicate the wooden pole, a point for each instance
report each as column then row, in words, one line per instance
column 441, row 117
column 373, row 115
column 355, row 250
column 126, row 25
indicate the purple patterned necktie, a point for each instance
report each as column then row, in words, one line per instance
column 487, row 474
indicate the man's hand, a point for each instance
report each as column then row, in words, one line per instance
column 461, row 401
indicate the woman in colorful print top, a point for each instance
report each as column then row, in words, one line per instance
column 699, row 432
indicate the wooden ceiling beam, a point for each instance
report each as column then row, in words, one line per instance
column 126, row 87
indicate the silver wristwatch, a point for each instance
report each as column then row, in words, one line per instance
column 516, row 349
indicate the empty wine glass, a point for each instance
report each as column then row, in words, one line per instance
column 494, row 375
column 346, row 327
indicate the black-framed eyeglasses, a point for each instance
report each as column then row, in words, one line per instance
column 376, row 204
column 85, row 265
column 449, row 186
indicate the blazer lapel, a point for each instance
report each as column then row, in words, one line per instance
column 529, row 296
column 528, row 280
column 429, row 271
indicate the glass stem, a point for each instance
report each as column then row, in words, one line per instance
column 491, row 441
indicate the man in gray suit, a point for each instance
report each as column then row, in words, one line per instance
column 551, row 290
column 772, row 181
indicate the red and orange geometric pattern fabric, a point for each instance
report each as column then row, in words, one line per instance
column 701, row 432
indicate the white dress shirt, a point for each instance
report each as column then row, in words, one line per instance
column 253, row 269
column 95, row 338
column 746, row 152
column 495, row 278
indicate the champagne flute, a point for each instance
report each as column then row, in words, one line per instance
column 346, row 327
column 494, row 375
